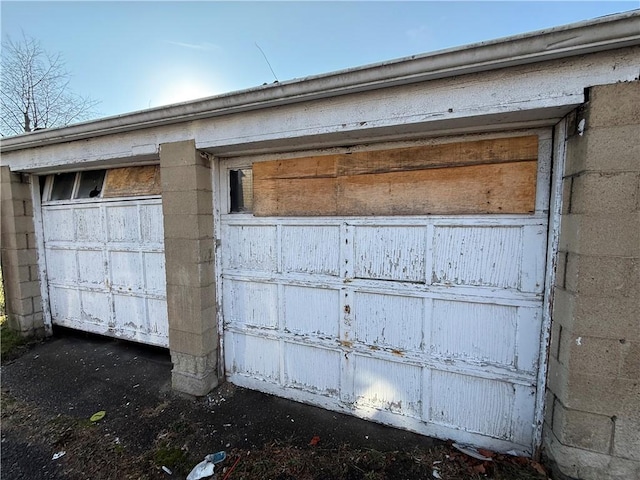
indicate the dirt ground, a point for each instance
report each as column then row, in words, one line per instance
column 53, row 388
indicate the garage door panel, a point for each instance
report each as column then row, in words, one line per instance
column 311, row 311
column 130, row 312
column 91, row 269
column 65, row 304
column 251, row 248
column 312, row 369
column 474, row 404
column 389, row 320
column 104, row 277
column 154, row 271
column 253, row 356
column 479, row 256
column 95, row 308
column 88, row 225
column 151, row 224
column 474, row 331
column 534, row 249
column 528, row 338
column 251, row 303
column 311, row 249
column 390, row 253
column 386, row 385
column 122, row 223
column 62, row 266
column 158, row 319
column 58, row 225
column 125, row 270
column 431, row 310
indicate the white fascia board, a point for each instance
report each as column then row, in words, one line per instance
column 518, row 97
column 605, row 33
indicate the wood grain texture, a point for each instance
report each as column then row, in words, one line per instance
column 133, row 181
column 487, row 176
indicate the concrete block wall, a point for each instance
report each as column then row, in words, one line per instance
column 189, row 255
column 19, row 258
column 592, row 418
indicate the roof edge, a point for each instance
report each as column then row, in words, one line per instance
column 600, row 34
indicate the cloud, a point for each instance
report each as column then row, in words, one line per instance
column 204, row 46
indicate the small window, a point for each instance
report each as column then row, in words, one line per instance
column 241, row 190
column 90, row 184
column 62, row 186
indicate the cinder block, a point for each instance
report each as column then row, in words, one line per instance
column 36, row 300
column 582, row 429
column 603, row 276
column 567, row 189
column 28, row 208
column 21, row 306
column 590, row 355
column 561, row 271
column 196, row 344
column 191, row 226
column 607, row 317
column 190, row 203
column 178, row 154
column 613, row 234
column 550, row 398
column 554, row 343
column 614, row 104
column 13, row 225
column 26, row 257
column 15, row 241
column 603, row 395
column 558, row 379
column 604, row 193
column 30, row 289
column 186, row 178
column 630, row 362
column 182, row 251
column 584, row 464
column 610, row 149
column 626, row 439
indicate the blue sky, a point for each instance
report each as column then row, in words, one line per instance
column 136, row 55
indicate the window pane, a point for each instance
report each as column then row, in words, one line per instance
column 241, row 186
column 62, row 186
column 90, row 184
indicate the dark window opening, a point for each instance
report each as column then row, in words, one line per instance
column 62, row 186
column 90, row 184
column 241, row 190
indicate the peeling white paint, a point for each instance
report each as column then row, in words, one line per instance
column 105, row 266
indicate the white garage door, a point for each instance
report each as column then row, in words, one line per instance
column 105, row 267
column 430, row 323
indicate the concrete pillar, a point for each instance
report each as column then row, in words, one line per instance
column 592, row 422
column 19, row 258
column 189, row 249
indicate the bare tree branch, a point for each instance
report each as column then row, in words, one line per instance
column 35, row 90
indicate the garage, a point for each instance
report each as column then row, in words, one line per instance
column 403, row 284
column 104, row 252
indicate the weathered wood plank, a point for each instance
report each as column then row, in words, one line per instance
column 308, row 167
column 132, row 181
column 439, row 156
column 295, row 197
column 475, row 189
column 485, row 176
